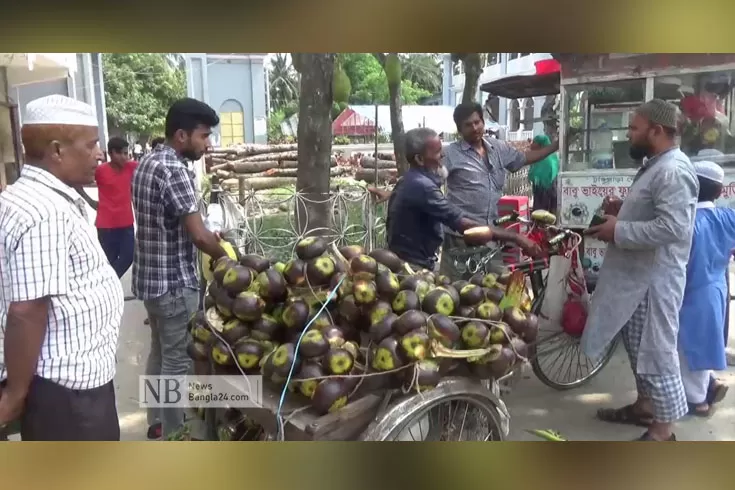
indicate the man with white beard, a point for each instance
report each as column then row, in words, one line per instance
column 417, row 208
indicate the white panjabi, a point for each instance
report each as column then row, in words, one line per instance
column 59, row 109
column 710, row 171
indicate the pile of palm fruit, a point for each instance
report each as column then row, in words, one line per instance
column 322, row 321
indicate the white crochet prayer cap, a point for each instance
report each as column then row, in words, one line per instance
column 710, row 171
column 58, row 109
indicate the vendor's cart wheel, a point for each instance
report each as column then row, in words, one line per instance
column 556, row 357
column 458, row 409
column 558, row 362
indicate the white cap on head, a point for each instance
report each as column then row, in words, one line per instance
column 58, row 109
column 710, row 171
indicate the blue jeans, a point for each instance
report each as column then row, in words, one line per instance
column 118, row 244
column 169, row 315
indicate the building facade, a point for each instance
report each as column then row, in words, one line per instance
column 520, row 119
column 235, row 85
column 28, row 76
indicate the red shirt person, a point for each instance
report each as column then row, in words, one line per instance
column 114, row 209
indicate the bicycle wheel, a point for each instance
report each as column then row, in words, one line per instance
column 557, row 359
column 456, row 410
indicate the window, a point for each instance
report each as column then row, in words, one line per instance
column 597, row 117
column 528, row 117
column 515, row 115
column 705, row 100
column 231, row 124
column 492, row 59
column 525, row 54
column 513, row 56
column 457, row 68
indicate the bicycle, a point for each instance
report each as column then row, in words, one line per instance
column 551, row 344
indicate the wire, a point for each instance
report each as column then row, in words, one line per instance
column 279, row 419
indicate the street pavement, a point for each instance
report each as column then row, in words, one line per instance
column 531, row 404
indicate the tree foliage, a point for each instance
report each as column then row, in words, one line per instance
column 370, row 84
column 139, row 89
column 283, row 82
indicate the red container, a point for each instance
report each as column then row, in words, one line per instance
column 506, row 206
column 544, row 67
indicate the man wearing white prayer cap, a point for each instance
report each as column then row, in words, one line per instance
column 62, row 302
column 702, row 315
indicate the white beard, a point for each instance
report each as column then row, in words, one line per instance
column 443, row 173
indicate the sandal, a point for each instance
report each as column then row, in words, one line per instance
column 695, row 410
column 155, row 431
column 716, row 391
column 627, row 415
column 647, row 437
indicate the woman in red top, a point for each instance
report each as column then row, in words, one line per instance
column 114, row 210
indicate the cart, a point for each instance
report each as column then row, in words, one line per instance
column 458, row 409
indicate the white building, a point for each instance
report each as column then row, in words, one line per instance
column 520, row 119
column 28, row 76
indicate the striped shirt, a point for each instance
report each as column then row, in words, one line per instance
column 48, row 248
column 475, row 184
column 165, row 256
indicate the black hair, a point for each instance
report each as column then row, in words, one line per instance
column 415, row 142
column 187, row 114
column 117, row 145
column 464, row 110
column 709, row 190
column 157, row 141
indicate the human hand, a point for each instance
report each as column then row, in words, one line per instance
column 529, row 247
column 378, row 194
column 611, row 205
column 604, row 232
column 11, row 407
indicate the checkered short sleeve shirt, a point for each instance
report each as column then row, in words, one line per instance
column 163, row 193
column 49, row 249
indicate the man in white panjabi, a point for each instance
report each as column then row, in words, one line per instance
column 61, row 302
column 641, row 284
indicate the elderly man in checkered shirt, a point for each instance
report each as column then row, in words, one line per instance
column 170, row 229
column 61, row 302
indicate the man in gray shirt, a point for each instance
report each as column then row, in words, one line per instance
column 477, row 168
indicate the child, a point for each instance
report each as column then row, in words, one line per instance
column 702, row 315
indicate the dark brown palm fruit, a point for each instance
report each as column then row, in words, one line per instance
column 388, row 259
column 405, row 301
column 248, row 306
column 255, row 262
column 295, row 272
column 310, row 248
column 444, row 330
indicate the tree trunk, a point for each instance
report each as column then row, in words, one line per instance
column 396, row 124
column 396, row 114
column 472, row 71
column 314, row 141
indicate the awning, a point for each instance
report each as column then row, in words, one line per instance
column 24, row 68
column 544, row 80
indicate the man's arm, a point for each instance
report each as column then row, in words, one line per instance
column 181, row 200
column 674, row 197
column 514, row 160
column 381, row 195
column 438, row 207
column 38, row 270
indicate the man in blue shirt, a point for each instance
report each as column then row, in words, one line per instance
column 417, row 208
